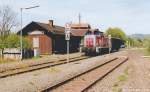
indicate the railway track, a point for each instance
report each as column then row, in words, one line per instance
column 81, row 82
column 30, row 68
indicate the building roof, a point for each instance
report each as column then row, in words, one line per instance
column 80, row 29
column 78, row 32
column 76, row 29
column 54, row 29
column 80, row 26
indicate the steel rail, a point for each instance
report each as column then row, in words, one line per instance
column 103, row 76
column 38, row 67
column 66, row 81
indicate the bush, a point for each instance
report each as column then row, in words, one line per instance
column 134, row 42
column 148, row 48
column 13, row 41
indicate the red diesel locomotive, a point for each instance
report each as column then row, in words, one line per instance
column 96, row 42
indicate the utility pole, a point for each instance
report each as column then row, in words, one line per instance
column 79, row 18
column 21, row 36
column 21, row 46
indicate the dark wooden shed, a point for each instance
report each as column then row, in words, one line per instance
column 49, row 38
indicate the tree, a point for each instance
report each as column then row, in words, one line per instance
column 7, row 20
column 134, row 42
column 13, row 41
column 116, row 32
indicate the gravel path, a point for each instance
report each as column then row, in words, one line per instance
column 133, row 76
column 139, row 75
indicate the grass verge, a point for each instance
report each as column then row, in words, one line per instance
column 121, row 80
column 2, row 61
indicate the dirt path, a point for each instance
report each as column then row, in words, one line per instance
column 133, row 76
column 139, row 74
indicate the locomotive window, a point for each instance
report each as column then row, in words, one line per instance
column 97, row 32
column 88, row 33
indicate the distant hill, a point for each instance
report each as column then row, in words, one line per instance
column 140, row 36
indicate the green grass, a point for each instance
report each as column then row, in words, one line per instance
column 122, row 78
column 116, row 84
column 147, row 53
column 33, row 58
column 117, row 90
column 36, row 74
column 126, row 71
column 6, row 60
column 54, row 70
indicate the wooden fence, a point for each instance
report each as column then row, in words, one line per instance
column 14, row 53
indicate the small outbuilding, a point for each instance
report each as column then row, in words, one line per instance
column 47, row 38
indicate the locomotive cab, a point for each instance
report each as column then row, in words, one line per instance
column 89, row 40
column 94, row 42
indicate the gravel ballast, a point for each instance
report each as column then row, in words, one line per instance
column 133, row 76
column 31, row 62
column 45, row 78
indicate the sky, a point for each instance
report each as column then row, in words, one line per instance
column 132, row 16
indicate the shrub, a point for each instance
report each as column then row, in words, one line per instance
column 13, row 41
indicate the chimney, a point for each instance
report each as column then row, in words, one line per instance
column 51, row 23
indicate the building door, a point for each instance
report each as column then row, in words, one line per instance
column 36, row 43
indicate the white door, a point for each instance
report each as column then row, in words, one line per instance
column 36, row 46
